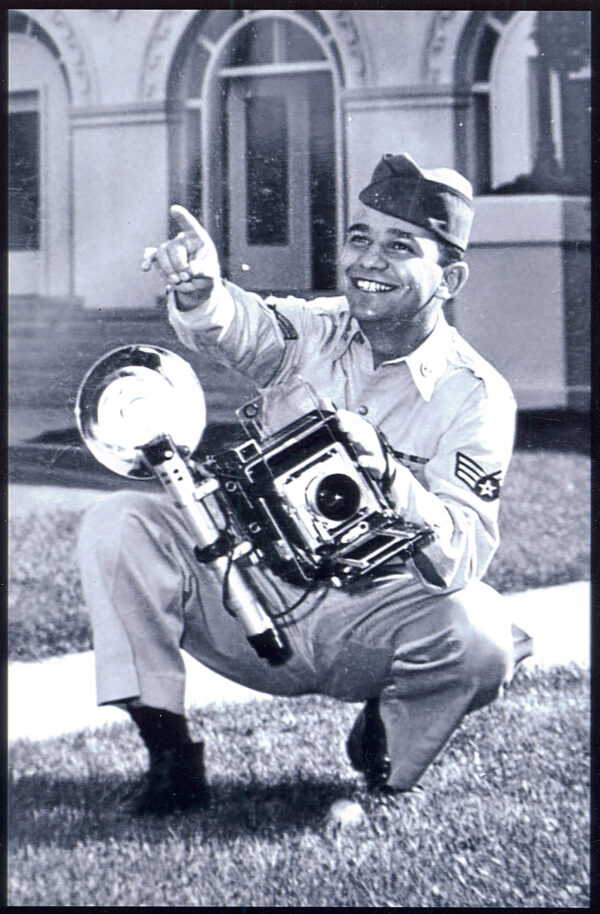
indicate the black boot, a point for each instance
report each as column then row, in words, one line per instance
column 367, row 746
column 367, row 750
column 175, row 779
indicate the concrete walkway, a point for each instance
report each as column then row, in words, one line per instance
column 58, row 695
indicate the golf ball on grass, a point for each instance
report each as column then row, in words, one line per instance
column 346, row 812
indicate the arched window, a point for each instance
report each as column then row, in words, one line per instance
column 528, row 78
column 254, row 141
column 21, row 24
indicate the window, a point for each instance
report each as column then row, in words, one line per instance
column 267, row 172
column 512, row 100
column 529, row 81
column 20, row 24
column 24, row 172
column 273, row 41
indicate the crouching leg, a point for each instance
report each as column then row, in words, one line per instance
column 133, row 555
column 452, row 659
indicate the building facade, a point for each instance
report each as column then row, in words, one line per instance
column 265, row 124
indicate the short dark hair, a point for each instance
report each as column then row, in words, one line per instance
column 449, row 253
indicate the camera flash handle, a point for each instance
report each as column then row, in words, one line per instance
column 213, row 547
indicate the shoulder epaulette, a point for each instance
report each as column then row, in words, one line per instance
column 466, row 356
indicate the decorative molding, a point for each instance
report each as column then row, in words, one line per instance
column 348, row 38
column 168, row 29
column 171, row 24
column 127, row 115
column 72, row 53
column 441, row 45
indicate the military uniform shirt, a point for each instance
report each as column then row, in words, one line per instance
column 447, row 414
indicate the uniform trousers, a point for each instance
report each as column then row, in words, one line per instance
column 430, row 657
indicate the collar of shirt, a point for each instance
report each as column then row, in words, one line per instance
column 426, row 363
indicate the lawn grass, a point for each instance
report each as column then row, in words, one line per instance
column 545, row 529
column 503, row 821
column 545, row 522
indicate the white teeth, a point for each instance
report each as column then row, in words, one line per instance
column 366, row 286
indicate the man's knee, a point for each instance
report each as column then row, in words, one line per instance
column 102, row 524
column 484, row 632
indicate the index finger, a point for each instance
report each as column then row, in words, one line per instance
column 186, row 221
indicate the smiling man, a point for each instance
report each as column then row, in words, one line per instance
column 422, row 643
column 393, row 272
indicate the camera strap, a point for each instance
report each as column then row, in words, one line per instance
column 387, row 480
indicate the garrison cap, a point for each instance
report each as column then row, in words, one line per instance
column 440, row 200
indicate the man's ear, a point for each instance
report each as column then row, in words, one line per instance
column 454, row 278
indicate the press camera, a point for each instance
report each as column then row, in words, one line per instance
column 306, row 503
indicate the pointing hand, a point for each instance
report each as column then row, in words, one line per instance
column 189, row 262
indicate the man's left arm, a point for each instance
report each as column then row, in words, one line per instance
column 460, row 498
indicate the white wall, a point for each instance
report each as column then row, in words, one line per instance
column 420, row 124
column 512, row 309
column 121, row 206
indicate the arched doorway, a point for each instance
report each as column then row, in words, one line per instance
column 39, row 163
column 255, row 145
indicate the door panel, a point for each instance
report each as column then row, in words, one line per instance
column 268, row 170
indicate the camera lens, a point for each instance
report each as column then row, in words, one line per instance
column 337, row 497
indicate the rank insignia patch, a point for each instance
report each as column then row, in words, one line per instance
column 287, row 328
column 487, row 486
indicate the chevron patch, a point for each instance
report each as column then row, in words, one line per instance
column 287, row 328
column 486, row 485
